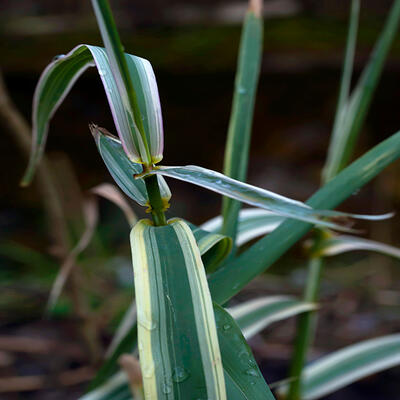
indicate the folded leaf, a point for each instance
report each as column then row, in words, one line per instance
column 137, row 88
column 214, row 248
column 122, row 169
column 254, row 315
column 178, row 343
column 252, row 223
column 60, row 75
column 255, row 196
column 348, row 365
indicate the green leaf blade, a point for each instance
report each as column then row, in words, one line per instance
column 348, row 365
column 255, row 196
column 229, row 280
column 240, row 123
column 178, row 343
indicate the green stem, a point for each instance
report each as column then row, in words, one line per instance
column 305, row 328
column 155, row 201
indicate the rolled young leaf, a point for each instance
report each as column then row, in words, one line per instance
column 252, row 223
column 255, row 196
column 178, row 343
column 348, row 365
column 252, row 316
column 143, row 142
column 60, row 75
column 122, row 169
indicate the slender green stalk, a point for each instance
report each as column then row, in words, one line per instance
column 305, row 328
column 239, row 131
column 115, row 52
column 157, row 205
column 353, row 110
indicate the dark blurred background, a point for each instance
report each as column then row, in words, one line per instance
column 192, row 46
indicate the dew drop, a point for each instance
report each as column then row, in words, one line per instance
column 242, row 90
column 251, row 372
column 226, row 327
column 58, row 57
column 180, row 374
column 166, row 388
column 102, row 72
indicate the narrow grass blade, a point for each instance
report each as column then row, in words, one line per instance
column 231, row 278
column 256, row 196
column 338, row 244
column 112, row 193
column 122, row 169
column 353, row 112
column 255, row 315
column 348, row 365
column 57, row 80
column 240, row 123
column 243, row 378
column 90, row 214
column 137, row 140
column 252, row 223
column 178, row 343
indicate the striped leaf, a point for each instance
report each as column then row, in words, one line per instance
column 252, row 223
column 239, row 131
column 335, row 244
column 122, row 169
column 137, row 88
column 348, row 365
column 254, row 315
column 255, row 196
column 230, row 279
column 178, row 343
column 60, row 75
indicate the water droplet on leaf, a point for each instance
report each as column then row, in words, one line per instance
column 180, row 374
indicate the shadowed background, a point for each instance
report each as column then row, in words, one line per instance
column 192, row 46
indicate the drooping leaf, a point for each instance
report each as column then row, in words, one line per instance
column 122, row 169
column 252, row 316
column 178, row 343
column 337, row 244
column 240, row 123
column 111, row 193
column 348, row 365
column 255, row 196
column 252, row 223
column 57, row 80
column 90, row 215
column 230, row 279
